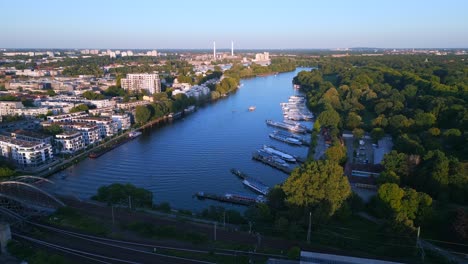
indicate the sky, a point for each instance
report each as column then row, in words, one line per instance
column 251, row 24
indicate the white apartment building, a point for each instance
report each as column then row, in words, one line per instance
column 66, row 117
column 107, row 127
column 142, row 81
column 17, row 108
column 131, row 105
column 31, row 111
column 102, row 103
column 70, row 141
column 25, row 154
column 262, row 58
column 123, row 121
column 9, row 108
column 31, row 136
column 198, row 91
column 91, row 133
column 152, row 53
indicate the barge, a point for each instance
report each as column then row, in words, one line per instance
column 234, row 198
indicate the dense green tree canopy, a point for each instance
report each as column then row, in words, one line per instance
column 121, row 193
column 142, row 114
column 79, row 108
column 317, row 182
column 90, row 95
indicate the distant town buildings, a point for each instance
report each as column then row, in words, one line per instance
column 262, row 59
column 142, row 81
column 153, row 53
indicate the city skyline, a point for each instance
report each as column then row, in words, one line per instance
column 185, row 24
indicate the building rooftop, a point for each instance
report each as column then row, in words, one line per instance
column 68, row 133
column 21, row 143
column 30, row 134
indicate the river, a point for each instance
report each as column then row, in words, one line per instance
column 193, row 154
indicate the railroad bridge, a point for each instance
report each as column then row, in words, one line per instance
column 24, row 196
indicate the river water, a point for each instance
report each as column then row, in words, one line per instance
column 193, row 154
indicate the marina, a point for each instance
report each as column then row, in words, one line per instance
column 295, row 109
column 176, row 159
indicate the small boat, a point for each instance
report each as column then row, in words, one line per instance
column 252, row 108
column 134, row 134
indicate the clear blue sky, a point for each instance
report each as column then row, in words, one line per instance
column 249, row 23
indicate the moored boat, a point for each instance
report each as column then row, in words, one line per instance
column 293, row 128
column 286, row 137
column 235, row 198
column 134, row 134
column 251, row 182
column 274, row 151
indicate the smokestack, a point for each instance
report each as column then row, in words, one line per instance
column 214, row 50
column 232, row 48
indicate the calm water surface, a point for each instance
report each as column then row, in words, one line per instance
column 176, row 160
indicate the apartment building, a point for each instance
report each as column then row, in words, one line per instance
column 70, row 141
column 123, row 121
column 31, row 136
column 142, row 81
column 9, row 108
column 66, row 117
column 131, row 105
column 107, row 127
column 26, row 154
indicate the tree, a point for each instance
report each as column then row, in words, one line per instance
column 358, row 133
column 51, row 92
column 403, row 206
column 397, row 162
column 336, row 153
column 318, row 183
column 114, row 91
column 90, row 95
column 424, row 120
column 53, row 129
column 119, row 194
column 329, row 118
column 353, row 121
column 388, row 177
column 142, row 114
column 433, row 174
column 79, row 108
column 377, row 133
column 6, row 172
